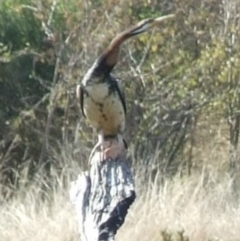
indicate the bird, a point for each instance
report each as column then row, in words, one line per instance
column 101, row 96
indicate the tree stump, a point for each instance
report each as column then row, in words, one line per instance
column 103, row 195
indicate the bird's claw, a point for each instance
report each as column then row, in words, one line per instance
column 108, row 150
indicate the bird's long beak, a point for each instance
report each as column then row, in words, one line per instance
column 159, row 20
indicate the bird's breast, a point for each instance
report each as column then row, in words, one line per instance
column 104, row 109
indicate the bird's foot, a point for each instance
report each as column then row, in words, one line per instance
column 115, row 147
column 109, row 149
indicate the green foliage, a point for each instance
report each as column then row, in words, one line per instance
column 19, row 29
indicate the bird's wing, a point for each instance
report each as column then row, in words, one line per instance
column 80, row 97
column 121, row 94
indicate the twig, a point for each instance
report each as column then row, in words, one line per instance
column 52, row 98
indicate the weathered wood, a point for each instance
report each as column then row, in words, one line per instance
column 103, row 196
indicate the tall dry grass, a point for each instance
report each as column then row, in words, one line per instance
column 204, row 206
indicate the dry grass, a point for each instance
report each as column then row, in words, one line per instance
column 203, row 206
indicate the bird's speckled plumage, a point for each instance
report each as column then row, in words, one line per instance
column 103, row 104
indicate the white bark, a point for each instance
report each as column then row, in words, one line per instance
column 102, row 197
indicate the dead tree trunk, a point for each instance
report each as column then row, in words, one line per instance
column 103, row 196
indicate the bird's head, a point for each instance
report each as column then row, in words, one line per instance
column 108, row 59
column 148, row 23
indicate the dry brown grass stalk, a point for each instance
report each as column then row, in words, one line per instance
column 204, row 207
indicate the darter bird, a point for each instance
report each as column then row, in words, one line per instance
column 101, row 95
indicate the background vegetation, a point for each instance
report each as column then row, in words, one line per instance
column 182, row 88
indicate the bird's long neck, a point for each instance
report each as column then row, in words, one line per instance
column 108, row 59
